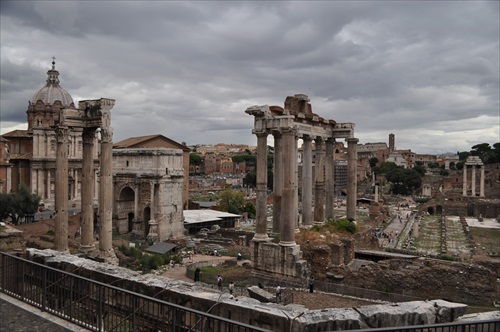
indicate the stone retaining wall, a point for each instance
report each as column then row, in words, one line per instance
column 271, row 316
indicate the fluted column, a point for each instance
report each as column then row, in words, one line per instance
column 464, row 186
column 288, row 210
column 277, row 181
column 61, row 199
column 352, row 179
column 75, row 189
column 106, row 195
column 473, row 181
column 48, row 183
column 261, row 208
column 87, row 191
column 319, row 186
column 329, row 180
column 481, row 184
column 307, row 181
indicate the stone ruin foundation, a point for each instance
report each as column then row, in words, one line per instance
column 287, row 125
column 271, row 316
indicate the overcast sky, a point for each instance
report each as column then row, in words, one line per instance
column 427, row 71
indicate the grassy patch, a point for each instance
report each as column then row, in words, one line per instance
column 487, row 238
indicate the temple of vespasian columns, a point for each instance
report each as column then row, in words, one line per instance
column 296, row 121
column 91, row 116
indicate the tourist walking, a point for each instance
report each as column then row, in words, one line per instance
column 311, row 284
column 278, row 294
column 231, row 287
column 197, row 274
column 219, row 282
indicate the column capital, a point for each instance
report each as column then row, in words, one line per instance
column 62, row 134
column 261, row 134
column 352, row 140
column 88, row 135
column 106, row 135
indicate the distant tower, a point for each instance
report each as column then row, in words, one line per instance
column 391, row 143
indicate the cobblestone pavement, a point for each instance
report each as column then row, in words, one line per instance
column 21, row 317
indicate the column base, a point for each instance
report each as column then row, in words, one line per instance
column 108, row 256
column 86, row 248
column 261, row 238
column 287, row 243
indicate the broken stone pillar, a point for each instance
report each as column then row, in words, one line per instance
column 481, row 183
column 61, row 199
column 261, row 208
column 473, row 181
column 288, row 208
column 307, row 181
column 319, row 188
column 87, row 215
column 277, row 181
column 329, row 176
column 464, row 186
column 153, row 224
column 106, row 251
column 352, row 179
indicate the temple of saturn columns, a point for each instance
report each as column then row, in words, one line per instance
column 296, row 121
column 91, row 116
column 473, row 162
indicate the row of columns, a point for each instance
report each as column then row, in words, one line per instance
column 473, row 180
column 105, row 191
column 285, row 209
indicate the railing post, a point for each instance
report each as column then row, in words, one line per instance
column 99, row 308
column 44, row 290
column 3, row 272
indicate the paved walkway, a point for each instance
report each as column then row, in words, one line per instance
column 17, row 316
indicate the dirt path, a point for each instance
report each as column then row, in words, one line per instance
column 179, row 272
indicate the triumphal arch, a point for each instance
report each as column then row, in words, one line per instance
column 287, row 125
column 92, row 117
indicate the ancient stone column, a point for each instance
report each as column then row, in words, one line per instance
column 153, row 224
column 48, row 183
column 481, row 184
column 75, row 189
column 277, row 181
column 87, row 215
column 106, row 197
column 352, row 179
column 296, row 190
column 61, row 199
column 136, row 221
column 473, row 181
column 464, row 187
column 261, row 190
column 319, row 186
column 329, row 181
column 307, row 181
column 288, row 210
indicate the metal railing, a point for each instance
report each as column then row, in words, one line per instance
column 101, row 307
column 470, row 326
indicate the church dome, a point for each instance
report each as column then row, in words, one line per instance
column 52, row 91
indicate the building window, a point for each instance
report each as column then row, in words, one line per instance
column 127, row 163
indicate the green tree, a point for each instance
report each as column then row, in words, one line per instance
column 231, row 201
column 250, row 209
column 373, row 161
column 195, row 159
column 420, row 169
column 18, row 205
column 463, row 155
column 404, row 181
column 388, row 166
column 250, row 179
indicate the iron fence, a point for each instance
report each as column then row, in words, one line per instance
column 101, row 307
